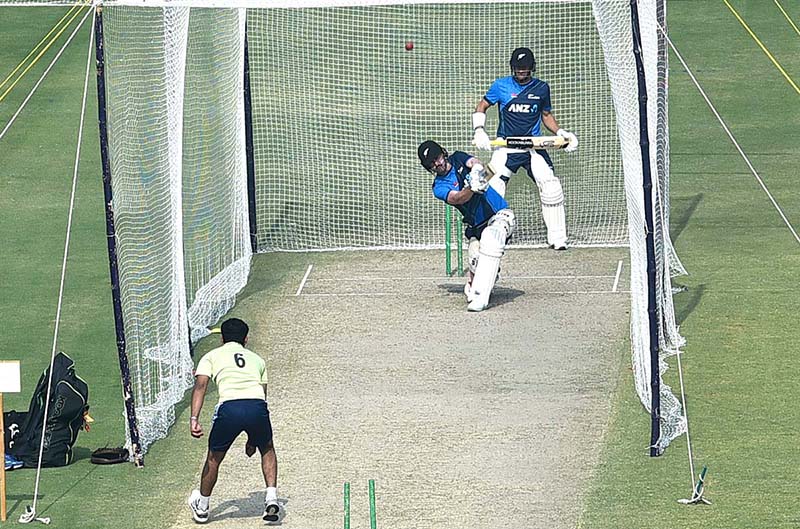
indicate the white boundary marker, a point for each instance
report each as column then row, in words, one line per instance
column 303, row 282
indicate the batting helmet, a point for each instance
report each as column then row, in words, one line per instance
column 428, row 152
column 523, row 59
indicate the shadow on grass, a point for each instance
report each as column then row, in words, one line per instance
column 258, row 282
column 681, row 210
column 687, row 301
column 80, row 452
column 64, row 492
column 15, row 503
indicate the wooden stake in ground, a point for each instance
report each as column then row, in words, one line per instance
column 9, row 383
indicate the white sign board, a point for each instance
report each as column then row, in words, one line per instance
column 9, row 376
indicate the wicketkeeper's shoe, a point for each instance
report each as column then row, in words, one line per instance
column 274, row 512
column 200, row 515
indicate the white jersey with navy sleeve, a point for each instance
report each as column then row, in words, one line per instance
column 481, row 207
column 520, row 107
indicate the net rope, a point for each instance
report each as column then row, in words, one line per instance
column 30, row 513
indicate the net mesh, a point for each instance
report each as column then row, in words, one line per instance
column 176, row 129
column 142, row 83
column 614, row 16
column 215, row 213
column 340, row 107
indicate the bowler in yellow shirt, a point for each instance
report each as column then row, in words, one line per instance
column 241, row 379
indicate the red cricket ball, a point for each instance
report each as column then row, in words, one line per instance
column 409, row 45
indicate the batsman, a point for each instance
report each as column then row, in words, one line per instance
column 523, row 107
column 462, row 181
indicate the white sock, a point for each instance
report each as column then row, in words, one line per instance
column 204, row 502
column 272, row 493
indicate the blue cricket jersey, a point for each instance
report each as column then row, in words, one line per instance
column 520, row 106
column 478, row 209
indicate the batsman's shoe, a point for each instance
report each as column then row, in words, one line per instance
column 199, row 515
column 559, row 247
column 477, row 305
column 274, row 512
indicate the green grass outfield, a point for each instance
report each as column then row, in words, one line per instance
column 738, row 314
column 740, row 311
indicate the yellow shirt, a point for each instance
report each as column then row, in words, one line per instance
column 238, row 372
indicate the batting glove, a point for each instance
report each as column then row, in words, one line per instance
column 477, row 179
column 481, row 140
column 573, row 140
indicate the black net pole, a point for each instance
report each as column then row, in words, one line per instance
column 251, row 164
column 130, row 408
column 647, row 189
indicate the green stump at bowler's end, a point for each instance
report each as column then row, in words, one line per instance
column 347, row 505
column 373, row 523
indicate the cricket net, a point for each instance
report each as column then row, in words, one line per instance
column 339, row 106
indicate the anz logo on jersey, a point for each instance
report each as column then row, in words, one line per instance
column 522, row 108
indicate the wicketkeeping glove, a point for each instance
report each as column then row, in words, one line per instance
column 573, row 140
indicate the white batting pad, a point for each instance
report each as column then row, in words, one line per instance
column 499, row 159
column 492, row 248
column 541, row 171
column 552, row 198
column 473, row 252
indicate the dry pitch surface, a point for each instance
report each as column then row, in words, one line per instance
column 488, row 420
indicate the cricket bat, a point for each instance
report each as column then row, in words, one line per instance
column 531, row 142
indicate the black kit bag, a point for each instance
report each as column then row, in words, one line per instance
column 12, row 424
column 69, row 397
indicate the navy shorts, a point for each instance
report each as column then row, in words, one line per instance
column 516, row 160
column 233, row 417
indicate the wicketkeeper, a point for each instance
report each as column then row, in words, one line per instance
column 524, row 106
column 462, row 181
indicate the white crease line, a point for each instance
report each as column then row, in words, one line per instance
column 350, row 295
column 616, row 278
column 379, row 294
column 303, row 282
column 439, row 278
